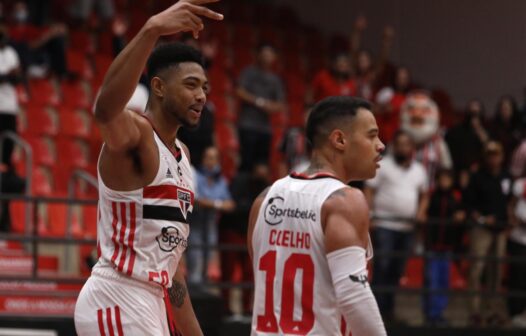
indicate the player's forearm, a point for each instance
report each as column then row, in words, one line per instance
column 184, row 314
column 124, row 73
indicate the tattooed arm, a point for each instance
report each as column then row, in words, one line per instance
column 183, row 311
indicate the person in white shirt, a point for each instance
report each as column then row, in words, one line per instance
column 397, row 197
column 9, row 72
column 517, row 249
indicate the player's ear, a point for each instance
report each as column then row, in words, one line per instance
column 157, row 85
column 337, row 139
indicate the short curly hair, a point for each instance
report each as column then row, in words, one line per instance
column 171, row 54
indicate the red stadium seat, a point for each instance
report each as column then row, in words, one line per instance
column 40, row 121
column 75, row 94
column 78, row 63
column 42, row 183
column 44, row 153
column 42, row 92
column 72, row 153
column 244, row 35
column 80, row 41
column 74, row 123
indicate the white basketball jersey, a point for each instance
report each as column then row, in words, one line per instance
column 143, row 233
column 294, row 294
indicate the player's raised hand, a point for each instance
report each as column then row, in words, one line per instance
column 183, row 16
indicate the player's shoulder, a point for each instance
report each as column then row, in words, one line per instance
column 346, row 200
column 185, row 149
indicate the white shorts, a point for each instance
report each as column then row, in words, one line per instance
column 113, row 304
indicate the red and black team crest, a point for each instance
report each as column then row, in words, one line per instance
column 185, row 200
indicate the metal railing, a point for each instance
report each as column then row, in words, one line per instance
column 28, row 152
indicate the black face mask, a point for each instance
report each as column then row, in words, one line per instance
column 400, row 158
column 340, row 75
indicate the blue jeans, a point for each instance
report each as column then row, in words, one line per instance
column 436, row 278
column 387, row 270
column 203, row 230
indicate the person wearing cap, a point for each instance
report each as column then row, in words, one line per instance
column 487, row 197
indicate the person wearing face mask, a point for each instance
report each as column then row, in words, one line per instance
column 212, row 198
column 398, row 197
column 41, row 48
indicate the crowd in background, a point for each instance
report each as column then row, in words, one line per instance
column 450, row 182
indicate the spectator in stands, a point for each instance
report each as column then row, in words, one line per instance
column 336, row 81
column 389, row 101
column 245, row 187
column 40, row 48
column 466, row 140
column 398, row 197
column 517, row 250
column 81, row 9
column 518, row 161
column 420, row 118
column 9, row 76
column 212, row 197
column 441, row 238
column 369, row 73
column 365, row 75
column 487, row 199
column 506, row 126
column 261, row 93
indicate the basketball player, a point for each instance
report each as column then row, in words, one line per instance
column 309, row 233
column 145, row 184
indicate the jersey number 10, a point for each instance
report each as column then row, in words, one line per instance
column 268, row 322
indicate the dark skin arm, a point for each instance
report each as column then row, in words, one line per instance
column 129, row 158
column 345, row 220
column 183, row 310
column 254, row 211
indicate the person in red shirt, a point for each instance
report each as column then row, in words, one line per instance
column 336, row 81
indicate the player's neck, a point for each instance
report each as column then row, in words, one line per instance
column 320, row 163
column 166, row 129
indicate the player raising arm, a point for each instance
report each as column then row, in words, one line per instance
column 145, row 184
column 308, row 234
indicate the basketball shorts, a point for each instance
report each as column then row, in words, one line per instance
column 113, row 304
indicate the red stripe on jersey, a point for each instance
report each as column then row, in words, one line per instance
column 118, row 320
column 124, row 224
column 108, row 320
column 131, row 237
column 313, row 176
column 114, row 236
column 165, row 191
column 101, row 323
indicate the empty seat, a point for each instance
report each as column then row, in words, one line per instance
column 74, row 123
column 78, row 63
column 43, row 92
column 44, row 152
column 40, row 121
column 75, row 94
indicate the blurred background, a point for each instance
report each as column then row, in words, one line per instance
column 448, row 204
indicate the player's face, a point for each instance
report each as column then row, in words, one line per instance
column 363, row 147
column 185, row 93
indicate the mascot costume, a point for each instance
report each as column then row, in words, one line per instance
column 420, row 118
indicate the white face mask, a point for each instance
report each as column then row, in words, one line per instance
column 21, row 15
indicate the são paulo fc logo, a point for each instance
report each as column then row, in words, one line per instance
column 275, row 212
column 185, row 200
column 169, row 239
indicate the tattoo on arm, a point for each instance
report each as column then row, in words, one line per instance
column 177, row 293
column 337, row 193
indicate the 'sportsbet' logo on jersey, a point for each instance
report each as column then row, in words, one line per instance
column 169, row 239
column 275, row 212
